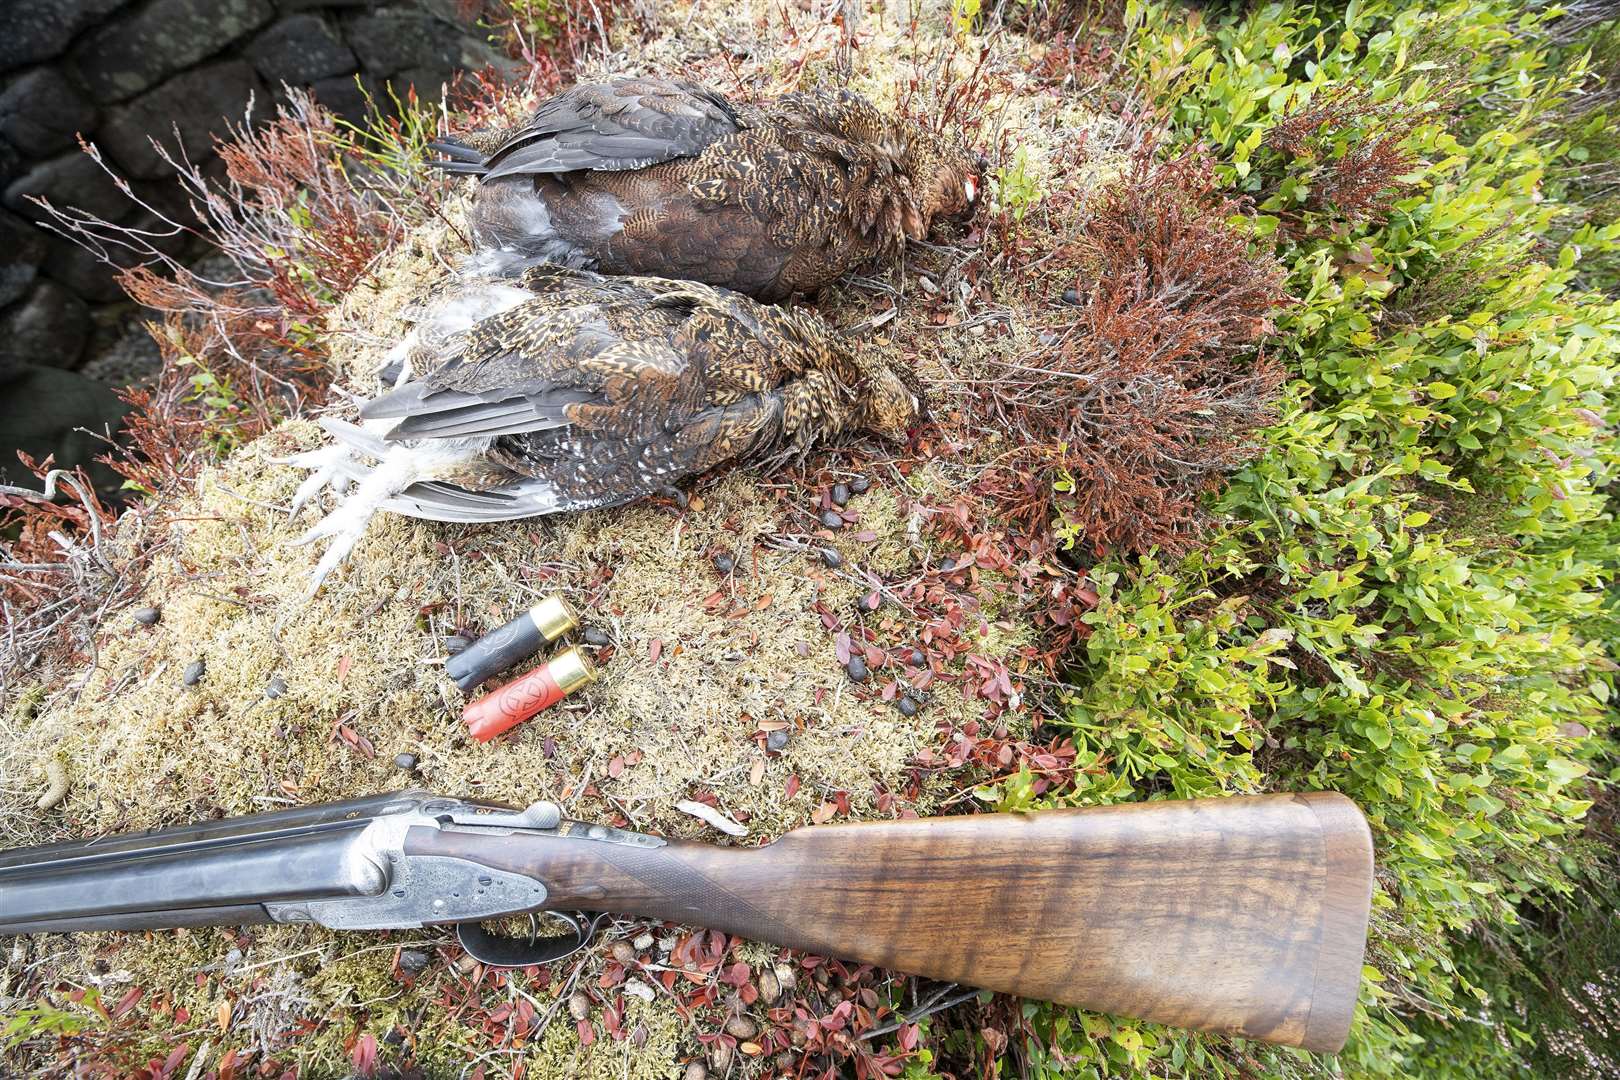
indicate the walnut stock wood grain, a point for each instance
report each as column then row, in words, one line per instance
column 1244, row 915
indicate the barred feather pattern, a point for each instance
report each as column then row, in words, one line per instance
column 667, row 177
column 573, row 390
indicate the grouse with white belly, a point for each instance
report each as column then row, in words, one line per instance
column 565, row 390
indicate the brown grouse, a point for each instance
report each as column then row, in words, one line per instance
column 669, row 177
column 565, row 390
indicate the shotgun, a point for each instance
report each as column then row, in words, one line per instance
column 1245, row 915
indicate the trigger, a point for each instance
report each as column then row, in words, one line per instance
column 496, row 950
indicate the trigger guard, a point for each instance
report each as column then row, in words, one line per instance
column 496, row 950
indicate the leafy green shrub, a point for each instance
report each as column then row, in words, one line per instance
column 1406, row 602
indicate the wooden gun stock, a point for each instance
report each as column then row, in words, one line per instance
column 1241, row 915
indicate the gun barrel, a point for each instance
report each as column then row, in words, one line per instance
column 212, row 873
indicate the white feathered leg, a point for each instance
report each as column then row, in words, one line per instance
column 335, row 466
column 399, row 465
column 347, row 523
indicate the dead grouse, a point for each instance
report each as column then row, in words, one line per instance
column 669, row 177
column 564, row 390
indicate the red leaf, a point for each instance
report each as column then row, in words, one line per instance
column 361, row 744
column 587, row 1034
column 176, row 1056
column 792, row 787
column 364, row 1055
column 127, row 1002
column 343, row 667
column 655, row 649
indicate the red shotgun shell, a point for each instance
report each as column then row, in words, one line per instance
column 503, row 709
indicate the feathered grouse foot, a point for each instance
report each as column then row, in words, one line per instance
column 364, row 489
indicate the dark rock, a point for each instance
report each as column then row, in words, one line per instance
column 49, row 411
column 200, row 103
column 49, row 329
column 22, row 249
column 860, row 485
column 275, row 688
column 947, row 566
column 389, row 41
column 146, row 616
column 870, row 602
column 39, row 29
column 137, row 52
column 1071, row 296
column 413, row 961
column 300, row 49
column 194, row 672
column 839, row 494
column 906, row 706
column 11, row 163
column 41, row 112
column 776, row 741
column 430, row 82
column 918, row 658
column 857, row 669
column 346, row 96
column 832, row 519
column 594, row 636
column 83, row 273
column 831, row 559
column 724, row 563
column 405, row 762
column 70, row 180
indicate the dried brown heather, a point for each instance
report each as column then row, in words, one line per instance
column 1361, row 183
column 1140, row 406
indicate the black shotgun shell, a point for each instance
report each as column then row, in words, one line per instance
column 513, row 643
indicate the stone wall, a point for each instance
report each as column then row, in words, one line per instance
column 117, row 71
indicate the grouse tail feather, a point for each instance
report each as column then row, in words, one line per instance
column 458, row 158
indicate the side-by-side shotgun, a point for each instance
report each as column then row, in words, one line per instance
column 1245, row 915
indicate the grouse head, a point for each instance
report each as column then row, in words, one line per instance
column 945, row 179
column 891, row 405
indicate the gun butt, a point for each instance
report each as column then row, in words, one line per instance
column 1242, row 915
